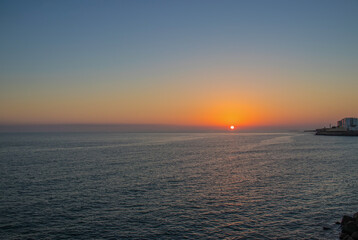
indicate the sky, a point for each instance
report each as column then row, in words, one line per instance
column 185, row 63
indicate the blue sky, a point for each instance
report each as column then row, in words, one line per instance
column 75, row 36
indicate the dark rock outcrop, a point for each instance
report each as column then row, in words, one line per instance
column 349, row 226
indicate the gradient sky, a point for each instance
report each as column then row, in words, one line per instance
column 249, row 63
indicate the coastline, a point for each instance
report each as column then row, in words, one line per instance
column 335, row 132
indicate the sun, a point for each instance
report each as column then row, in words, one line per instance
column 232, row 127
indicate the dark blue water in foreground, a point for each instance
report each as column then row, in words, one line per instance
column 175, row 186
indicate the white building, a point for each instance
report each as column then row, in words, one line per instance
column 348, row 123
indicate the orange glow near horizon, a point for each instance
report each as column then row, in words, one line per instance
column 173, row 103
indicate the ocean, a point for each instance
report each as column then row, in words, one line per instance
column 176, row 185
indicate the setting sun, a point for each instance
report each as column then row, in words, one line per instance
column 232, row 127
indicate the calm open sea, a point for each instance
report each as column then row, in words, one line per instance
column 175, row 186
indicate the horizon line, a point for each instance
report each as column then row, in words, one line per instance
column 137, row 128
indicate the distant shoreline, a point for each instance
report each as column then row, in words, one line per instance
column 336, row 132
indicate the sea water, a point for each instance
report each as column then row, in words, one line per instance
column 176, row 186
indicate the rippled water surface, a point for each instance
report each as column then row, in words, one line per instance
column 175, row 186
